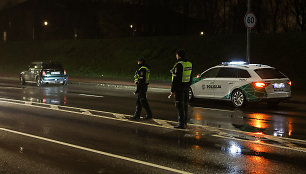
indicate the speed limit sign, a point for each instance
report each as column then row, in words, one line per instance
column 250, row 20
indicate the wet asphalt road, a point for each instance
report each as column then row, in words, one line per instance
column 39, row 133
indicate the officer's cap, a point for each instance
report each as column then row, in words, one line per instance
column 181, row 53
column 141, row 59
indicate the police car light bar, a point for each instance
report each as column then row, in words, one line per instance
column 234, row 63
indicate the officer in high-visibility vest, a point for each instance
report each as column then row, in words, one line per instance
column 181, row 81
column 141, row 78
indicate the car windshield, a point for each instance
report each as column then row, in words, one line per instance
column 269, row 73
column 52, row 65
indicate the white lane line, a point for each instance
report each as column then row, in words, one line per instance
column 119, row 116
column 92, row 115
column 8, row 87
column 86, row 112
column 28, row 103
column 12, row 101
column 88, row 95
column 54, row 107
column 264, row 144
column 164, row 123
column 95, row 151
column 212, row 109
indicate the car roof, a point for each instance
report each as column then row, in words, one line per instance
column 37, row 62
column 45, row 62
column 245, row 66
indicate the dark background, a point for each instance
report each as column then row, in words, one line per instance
column 94, row 38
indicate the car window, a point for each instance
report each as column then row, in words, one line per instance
column 243, row 73
column 228, row 73
column 269, row 73
column 52, row 66
column 32, row 66
column 210, row 73
column 37, row 66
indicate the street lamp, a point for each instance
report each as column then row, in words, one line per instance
column 46, row 23
column 131, row 26
column 202, row 33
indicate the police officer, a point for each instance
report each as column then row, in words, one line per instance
column 181, row 81
column 141, row 77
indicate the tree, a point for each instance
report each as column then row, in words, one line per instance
column 299, row 10
column 274, row 9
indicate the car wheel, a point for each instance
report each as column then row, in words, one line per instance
column 238, row 98
column 65, row 83
column 190, row 94
column 38, row 81
column 22, row 81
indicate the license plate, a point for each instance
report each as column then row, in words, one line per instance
column 55, row 73
column 278, row 85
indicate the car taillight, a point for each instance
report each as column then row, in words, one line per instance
column 260, row 84
column 65, row 73
column 44, row 73
column 290, row 83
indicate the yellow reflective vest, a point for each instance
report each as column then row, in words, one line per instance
column 137, row 78
column 187, row 70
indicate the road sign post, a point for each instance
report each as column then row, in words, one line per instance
column 250, row 22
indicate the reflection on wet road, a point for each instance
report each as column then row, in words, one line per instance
column 74, row 120
column 256, row 118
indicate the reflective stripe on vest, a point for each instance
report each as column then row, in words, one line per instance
column 136, row 77
column 187, row 69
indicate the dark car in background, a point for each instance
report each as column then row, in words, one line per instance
column 44, row 73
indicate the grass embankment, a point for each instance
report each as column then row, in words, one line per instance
column 116, row 58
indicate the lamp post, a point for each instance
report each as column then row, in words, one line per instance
column 133, row 30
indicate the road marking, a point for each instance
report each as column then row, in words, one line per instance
column 119, row 116
column 92, row 115
column 88, row 95
column 8, row 87
column 54, row 107
column 264, row 144
column 95, row 151
column 163, row 122
column 86, row 112
column 17, row 102
column 28, row 103
column 212, row 109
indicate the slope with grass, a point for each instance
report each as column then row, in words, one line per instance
column 116, row 58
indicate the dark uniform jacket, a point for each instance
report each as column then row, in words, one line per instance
column 177, row 83
column 142, row 73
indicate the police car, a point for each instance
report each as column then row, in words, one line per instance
column 240, row 83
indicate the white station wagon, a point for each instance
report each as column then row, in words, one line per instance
column 240, row 83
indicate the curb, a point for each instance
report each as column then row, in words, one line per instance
column 163, row 89
column 125, row 86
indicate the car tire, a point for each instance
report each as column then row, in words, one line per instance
column 38, row 81
column 238, row 98
column 65, row 83
column 22, row 81
column 190, row 94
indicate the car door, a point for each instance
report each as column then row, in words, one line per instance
column 227, row 77
column 203, row 88
column 28, row 75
